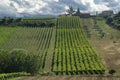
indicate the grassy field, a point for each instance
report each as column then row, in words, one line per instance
column 5, row 33
column 107, row 46
column 33, row 40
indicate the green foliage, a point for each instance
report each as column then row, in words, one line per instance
column 109, row 20
column 39, row 23
column 12, row 75
column 34, row 40
column 70, row 10
column 114, row 21
column 112, row 71
column 18, row 61
column 5, row 20
column 19, row 19
column 4, row 60
column 73, row 53
column 8, row 21
column 32, row 64
column 43, row 18
column 5, row 33
column 43, row 22
column 77, row 12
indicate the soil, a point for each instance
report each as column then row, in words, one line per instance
column 69, row 78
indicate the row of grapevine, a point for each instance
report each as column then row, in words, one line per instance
column 12, row 75
column 73, row 53
column 32, row 39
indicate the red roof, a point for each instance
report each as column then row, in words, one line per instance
column 63, row 14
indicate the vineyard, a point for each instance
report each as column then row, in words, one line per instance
column 33, row 40
column 62, row 50
column 73, row 53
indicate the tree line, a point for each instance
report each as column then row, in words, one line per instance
column 7, row 21
column 114, row 21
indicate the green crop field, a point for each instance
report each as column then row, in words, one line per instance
column 73, row 53
column 62, row 49
column 33, row 40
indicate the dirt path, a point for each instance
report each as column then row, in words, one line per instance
column 69, row 78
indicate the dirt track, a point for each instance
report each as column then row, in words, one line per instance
column 69, row 78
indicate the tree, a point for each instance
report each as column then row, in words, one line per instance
column 11, row 20
column 109, row 20
column 19, row 61
column 19, row 20
column 77, row 12
column 118, row 15
column 43, row 24
column 70, row 10
column 4, row 60
column 5, row 20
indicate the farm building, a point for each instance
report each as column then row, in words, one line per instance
column 107, row 13
column 84, row 15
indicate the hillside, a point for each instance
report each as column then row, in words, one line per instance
column 73, row 46
column 107, row 45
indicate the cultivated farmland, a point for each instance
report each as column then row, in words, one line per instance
column 108, row 46
column 33, row 40
column 63, row 49
column 73, row 53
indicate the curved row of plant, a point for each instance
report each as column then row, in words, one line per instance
column 73, row 53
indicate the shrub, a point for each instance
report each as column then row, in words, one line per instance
column 112, row 71
column 4, row 61
column 18, row 61
column 32, row 64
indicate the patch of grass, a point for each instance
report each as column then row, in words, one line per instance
column 107, row 47
column 5, row 33
column 33, row 40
